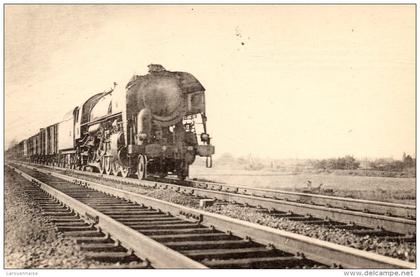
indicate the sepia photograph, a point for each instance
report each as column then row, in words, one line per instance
column 209, row 136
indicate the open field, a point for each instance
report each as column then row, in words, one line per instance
column 399, row 190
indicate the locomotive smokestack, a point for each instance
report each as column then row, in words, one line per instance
column 155, row 68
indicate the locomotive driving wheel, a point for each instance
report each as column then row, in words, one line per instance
column 142, row 167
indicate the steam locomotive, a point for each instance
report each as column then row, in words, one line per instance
column 156, row 125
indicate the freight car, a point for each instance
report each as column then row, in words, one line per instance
column 153, row 125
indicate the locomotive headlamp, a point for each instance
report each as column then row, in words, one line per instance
column 204, row 137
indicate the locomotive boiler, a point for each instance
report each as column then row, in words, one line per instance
column 155, row 125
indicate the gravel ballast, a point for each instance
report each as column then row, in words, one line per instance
column 31, row 240
column 401, row 250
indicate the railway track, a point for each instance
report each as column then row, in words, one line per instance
column 373, row 215
column 100, row 249
column 154, row 230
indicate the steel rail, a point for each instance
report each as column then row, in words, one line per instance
column 365, row 219
column 321, row 251
column 143, row 246
column 376, row 207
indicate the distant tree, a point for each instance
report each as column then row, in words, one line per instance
column 408, row 161
column 350, row 162
column 347, row 162
column 320, row 164
column 331, row 163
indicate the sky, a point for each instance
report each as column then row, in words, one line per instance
column 283, row 81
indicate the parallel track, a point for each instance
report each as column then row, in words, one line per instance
column 389, row 217
column 194, row 238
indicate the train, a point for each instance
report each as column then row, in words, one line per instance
column 154, row 126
